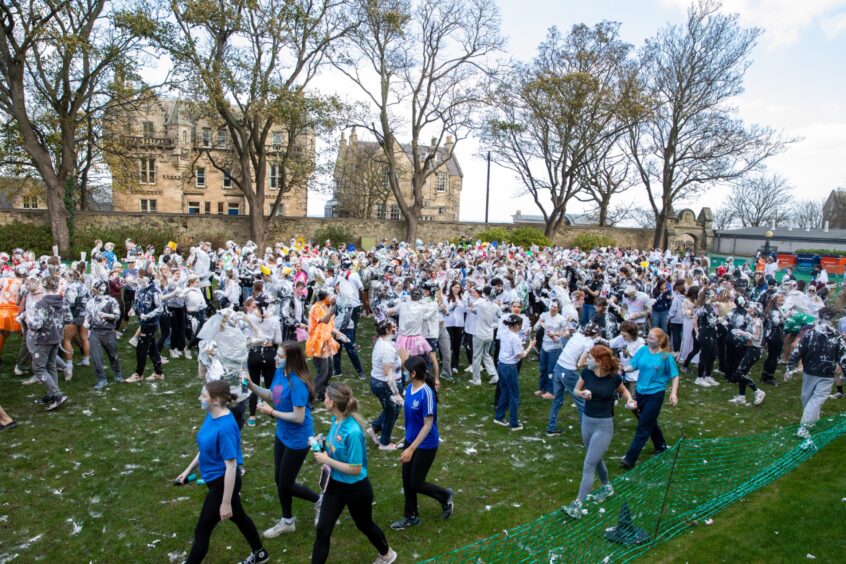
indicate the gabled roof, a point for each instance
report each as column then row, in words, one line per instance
column 453, row 168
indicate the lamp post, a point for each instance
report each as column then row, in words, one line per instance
column 767, row 236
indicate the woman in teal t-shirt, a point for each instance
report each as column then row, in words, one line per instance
column 346, row 456
column 656, row 369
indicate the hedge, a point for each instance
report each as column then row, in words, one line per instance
column 588, row 241
column 821, row 252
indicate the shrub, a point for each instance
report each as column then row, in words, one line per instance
column 590, row 241
column 158, row 236
column 335, row 233
column 492, row 234
column 37, row 238
column 527, row 236
column 821, row 252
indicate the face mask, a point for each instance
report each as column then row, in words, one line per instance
column 591, row 363
column 280, row 362
column 204, row 404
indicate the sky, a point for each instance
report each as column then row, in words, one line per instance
column 796, row 84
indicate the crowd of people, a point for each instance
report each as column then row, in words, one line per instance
column 604, row 324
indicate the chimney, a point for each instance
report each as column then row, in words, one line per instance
column 825, row 227
column 434, row 142
column 450, row 143
column 343, row 140
column 353, row 137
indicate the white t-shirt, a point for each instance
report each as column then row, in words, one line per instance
column 385, row 354
column 510, row 347
column 578, row 345
column 487, row 317
column 348, row 287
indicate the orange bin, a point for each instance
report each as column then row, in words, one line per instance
column 786, row 260
column 833, row 265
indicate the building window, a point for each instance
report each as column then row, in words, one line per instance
column 227, row 179
column 441, row 210
column 220, row 208
column 207, row 207
column 276, row 138
column 275, row 176
column 30, row 203
column 234, row 209
column 395, row 211
column 206, row 136
column 380, row 211
column 148, row 205
column 184, row 136
column 148, row 170
column 441, row 182
column 194, row 208
column 280, row 211
column 221, row 137
column 201, row 177
column 148, row 129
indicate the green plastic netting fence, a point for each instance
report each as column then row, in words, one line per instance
column 688, row 483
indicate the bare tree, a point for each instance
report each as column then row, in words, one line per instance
column 430, row 60
column 361, row 182
column 550, row 118
column 57, row 58
column 760, row 201
column 603, row 177
column 249, row 63
column 723, row 219
column 643, row 218
column 691, row 137
column 807, row 214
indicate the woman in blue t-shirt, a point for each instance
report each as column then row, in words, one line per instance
column 345, row 455
column 656, row 369
column 219, row 442
column 291, row 394
column 421, row 436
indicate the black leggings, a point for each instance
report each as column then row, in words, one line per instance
column 261, row 363
column 697, row 346
column 455, row 334
column 707, row 355
column 286, row 465
column 210, row 517
column 749, row 357
column 358, row 497
column 147, row 346
column 774, row 348
column 468, row 348
column 414, row 480
column 676, row 335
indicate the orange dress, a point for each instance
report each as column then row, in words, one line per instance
column 320, row 342
column 9, row 291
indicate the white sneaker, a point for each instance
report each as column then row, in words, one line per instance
column 702, row 382
column 68, row 372
column 739, row 400
column 803, row 432
column 389, row 446
column 372, row 434
column 455, row 370
column 476, row 382
column 281, row 526
column 759, row 397
column 85, row 361
column 31, row 380
column 164, row 360
column 133, row 342
column 493, row 379
column 712, row 382
column 175, row 354
column 390, row 557
column 188, row 354
column 18, row 371
column 469, row 369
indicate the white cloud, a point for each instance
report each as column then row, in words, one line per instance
column 784, row 20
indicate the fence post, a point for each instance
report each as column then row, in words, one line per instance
column 667, row 489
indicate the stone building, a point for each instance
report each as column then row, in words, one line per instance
column 162, row 162
column 361, row 187
column 834, row 209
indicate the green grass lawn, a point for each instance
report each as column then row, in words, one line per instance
column 92, row 481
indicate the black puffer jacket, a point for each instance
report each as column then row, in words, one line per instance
column 820, row 349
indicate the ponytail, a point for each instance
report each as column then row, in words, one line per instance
column 219, row 389
column 345, row 402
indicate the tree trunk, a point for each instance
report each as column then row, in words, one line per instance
column 659, row 241
column 411, row 228
column 58, row 216
column 258, row 227
column 603, row 211
column 549, row 230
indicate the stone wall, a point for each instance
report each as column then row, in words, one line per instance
column 219, row 228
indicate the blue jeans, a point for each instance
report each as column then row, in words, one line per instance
column 384, row 424
column 547, row 363
column 510, row 396
column 648, row 409
column 351, row 352
column 588, row 311
column 564, row 381
column 661, row 319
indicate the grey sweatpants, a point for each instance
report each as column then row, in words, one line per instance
column 100, row 340
column 482, row 354
column 44, row 367
column 446, row 351
column 815, row 390
column 596, row 434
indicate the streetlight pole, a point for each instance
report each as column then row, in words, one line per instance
column 488, row 189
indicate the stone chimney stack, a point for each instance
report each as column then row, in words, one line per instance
column 450, row 143
column 343, row 140
column 353, row 137
column 434, row 142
